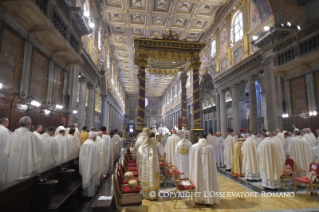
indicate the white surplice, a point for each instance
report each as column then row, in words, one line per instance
column 89, row 163
column 64, row 148
column 3, row 166
column 300, row 150
column 309, row 140
column 211, row 140
column 219, row 151
column 270, row 164
column 141, row 139
column 170, row 148
column 109, row 154
column 4, row 136
column 102, row 145
column 75, row 146
column 50, row 150
column 250, row 159
column 286, row 145
column 181, row 159
column 281, row 148
column 203, row 172
column 58, row 130
column 24, row 150
column 77, row 135
column 228, row 150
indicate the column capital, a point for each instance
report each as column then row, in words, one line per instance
column 90, row 85
column 196, row 65
column 103, row 97
column 82, row 79
column 183, row 77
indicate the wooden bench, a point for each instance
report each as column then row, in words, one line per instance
column 104, row 205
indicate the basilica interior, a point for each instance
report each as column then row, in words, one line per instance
column 206, row 66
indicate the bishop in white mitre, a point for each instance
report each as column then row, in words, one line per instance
column 75, row 144
column 89, row 162
column 203, row 172
column 181, row 159
column 61, row 127
column 50, row 148
column 211, row 138
column 250, row 159
column 38, row 130
column 102, row 145
column 219, row 150
column 4, row 132
column 109, row 153
column 300, row 150
column 170, row 147
column 24, row 150
column 150, row 171
column 228, row 151
column 64, row 146
column 270, row 165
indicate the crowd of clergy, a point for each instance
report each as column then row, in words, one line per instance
column 23, row 152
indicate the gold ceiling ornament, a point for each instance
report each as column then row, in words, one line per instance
column 163, row 71
column 170, row 36
column 166, row 56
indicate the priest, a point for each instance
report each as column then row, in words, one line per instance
column 228, row 151
column 210, row 137
column 219, row 150
column 50, row 148
column 61, row 127
column 109, row 151
column 38, row 130
column 271, row 166
column 140, row 141
column 250, row 159
column 89, row 163
column 77, row 133
column 307, row 138
column 203, row 172
column 84, row 135
column 64, row 146
column 170, row 147
column 181, row 133
column 164, row 139
column 237, row 162
column 280, row 146
column 117, row 141
column 150, row 171
column 161, row 130
column 287, row 141
column 311, row 136
column 102, row 145
column 181, row 159
column 24, row 150
column 75, row 147
column 4, row 132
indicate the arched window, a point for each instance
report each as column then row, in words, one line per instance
column 238, row 27
column 213, row 50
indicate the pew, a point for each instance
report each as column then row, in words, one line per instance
column 104, row 205
column 33, row 193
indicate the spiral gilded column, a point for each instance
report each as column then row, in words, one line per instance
column 141, row 95
column 183, row 78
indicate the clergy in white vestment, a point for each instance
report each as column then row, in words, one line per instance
column 286, row 143
column 203, row 172
column 280, row 146
column 77, row 133
column 61, row 127
column 141, row 139
column 211, row 138
column 250, row 159
column 24, row 150
column 50, row 148
column 4, row 132
column 75, row 146
column 219, row 150
column 109, row 152
column 181, row 159
column 258, row 139
column 300, row 150
column 103, row 149
column 164, row 139
column 228, row 150
column 150, row 171
column 270, row 164
column 181, row 133
column 307, row 138
column 170, row 147
column 161, row 130
column 242, row 133
column 38, row 130
column 3, row 166
column 64, row 146
column 280, row 135
column 166, row 131
column 118, row 143
column 312, row 136
column 89, row 163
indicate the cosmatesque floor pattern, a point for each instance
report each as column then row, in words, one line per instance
column 301, row 202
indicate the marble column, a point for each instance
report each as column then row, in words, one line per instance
column 252, row 105
column 50, row 84
column 196, row 97
column 218, row 112
column 104, row 110
column 73, row 91
column 264, row 110
column 26, row 70
column 287, row 97
column 82, row 101
column 235, row 108
column 222, row 110
column 141, row 95
column 108, row 116
column 279, row 102
column 311, row 92
column 90, row 107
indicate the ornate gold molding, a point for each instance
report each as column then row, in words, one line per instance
column 196, row 65
column 168, row 56
column 141, row 63
column 163, row 71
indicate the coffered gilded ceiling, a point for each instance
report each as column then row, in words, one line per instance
column 129, row 19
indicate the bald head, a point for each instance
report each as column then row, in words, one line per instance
column 277, row 131
column 99, row 133
column 186, row 136
column 273, row 134
column 302, row 132
column 92, row 136
column 308, row 130
column 25, row 122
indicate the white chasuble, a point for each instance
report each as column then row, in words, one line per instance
column 309, row 140
column 271, row 166
column 102, row 145
column 180, row 134
column 219, row 151
column 75, row 146
column 50, row 150
column 211, row 140
column 300, row 151
column 250, row 159
column 228, row 150
column 109, row 154
column 170, row 148
column 24, row 150
column 141, row 139
column 89, row 163
column 4, row 136
column 281, row 148
column 64, row 148
column 203, row 173
column 77, row 135
column 150, row 171
column 58, row 130
column 181, row 160
column 37, row 134
column 164, row 140
column 3, row 166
